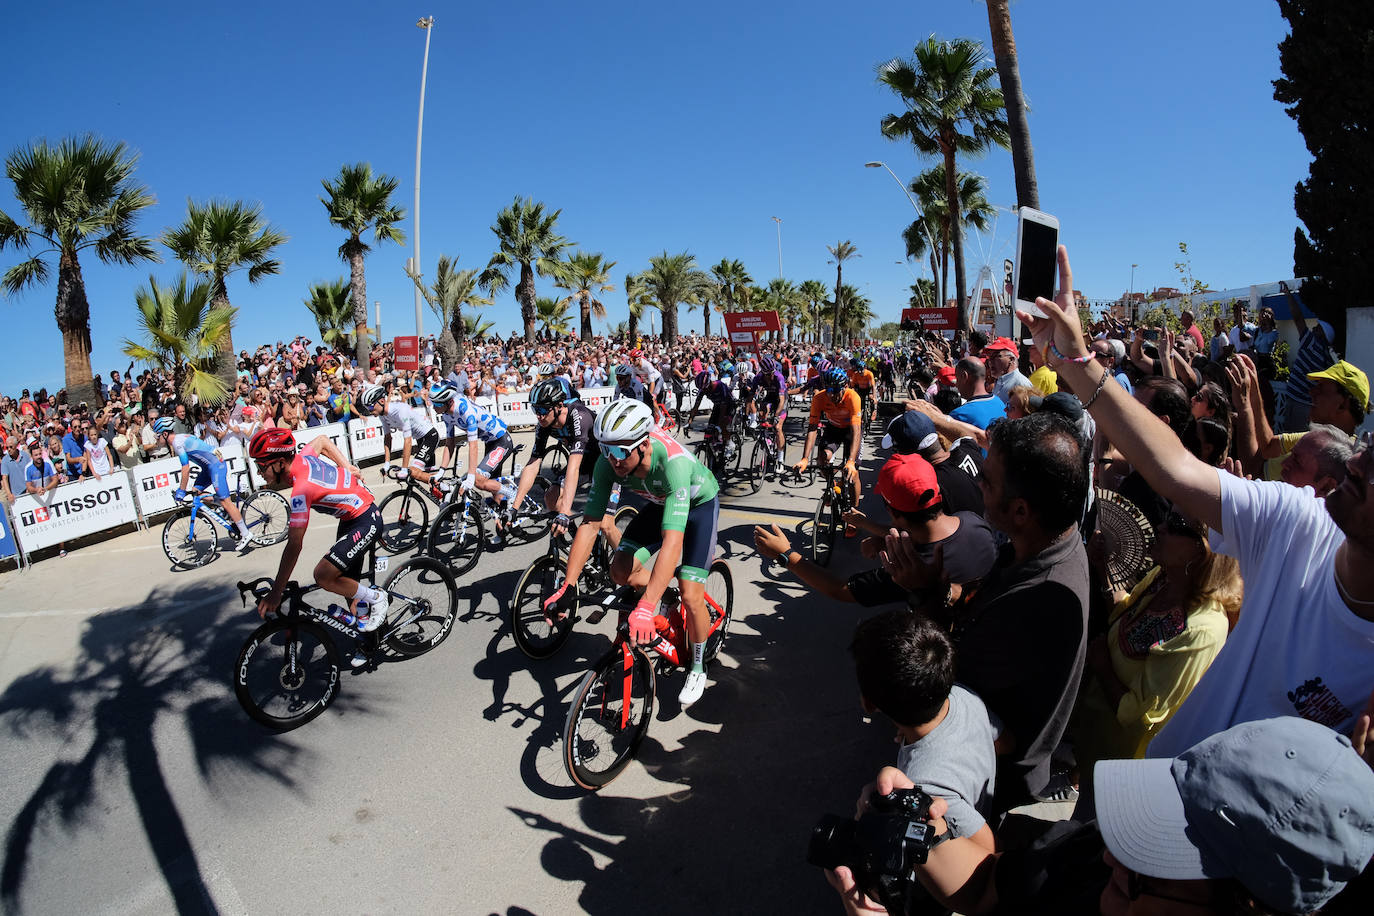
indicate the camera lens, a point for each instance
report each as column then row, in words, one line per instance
column 832, row 842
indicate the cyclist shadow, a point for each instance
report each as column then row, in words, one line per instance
column 498, row 586
column 136, row 669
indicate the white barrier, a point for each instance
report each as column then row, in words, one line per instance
column 74, row 510
column 596, row 398
column 154, row 482
column 365, row 439
column 514, row 409
column 337, row 433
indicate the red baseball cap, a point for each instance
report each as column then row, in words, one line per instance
column 1003, row 343
column 908, row 483
column 945, row 375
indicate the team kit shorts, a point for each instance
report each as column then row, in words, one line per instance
column 644, row 535
column 356, row 538
column 422, row 453
column 497, row 449
column 214, row 473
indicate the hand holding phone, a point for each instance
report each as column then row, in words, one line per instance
column 1037, row 248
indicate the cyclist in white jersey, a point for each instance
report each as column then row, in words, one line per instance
column 421, row 436
column 212, row 470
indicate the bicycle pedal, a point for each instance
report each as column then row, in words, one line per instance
column 596, row 616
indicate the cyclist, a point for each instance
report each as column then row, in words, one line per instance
column 561, row 415
column 770, row 399
column 212, row 470
column 322, row 479
column 723, row 406
column 887, row 375
column 815, row 379
column 421, row 437
column 627, row 387
column 681, row 517
column 480, row 426
column 861, row 380
column 835, row 415
column 652, row 380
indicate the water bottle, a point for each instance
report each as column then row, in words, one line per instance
column 341, row 614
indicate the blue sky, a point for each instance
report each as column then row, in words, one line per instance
column 653, row 127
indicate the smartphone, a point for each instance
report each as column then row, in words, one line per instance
column 1151, row 334
column 1037, row 257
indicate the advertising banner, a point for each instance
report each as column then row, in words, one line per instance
column 337, row 433
column 597, row 398
column 8, row 546
column 407, row 353
column 753, row 322
column 154, row 482
column 935, row 319
column 365, row 439
column 74, row 510
column 514, row 409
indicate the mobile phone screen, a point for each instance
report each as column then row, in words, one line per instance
column 1039, row 251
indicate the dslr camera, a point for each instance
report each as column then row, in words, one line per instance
column 882, row 848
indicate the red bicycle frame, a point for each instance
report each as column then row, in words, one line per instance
column 670, row 642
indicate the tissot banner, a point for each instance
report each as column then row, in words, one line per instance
column 74, row 510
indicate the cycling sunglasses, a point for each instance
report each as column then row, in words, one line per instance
column 617, row 452
column 542, row 411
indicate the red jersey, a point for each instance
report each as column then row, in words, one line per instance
column 317, row 483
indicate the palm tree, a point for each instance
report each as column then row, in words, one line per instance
column 553, row 315
column 815, row 293
column 672, row 280
column 185, row 330
column 952, row 106
column 585, row 275
column 730, row 276
column 476, row 328
column 853, row 314
column 638, row 299
column 1018, row 130
column 76, row 195
column 840, row 252
column 783, row 297
column 933, row 223
column 358, row 202
column 219, row 238
column 527, row 241
column 452, row 291
column 329, row 305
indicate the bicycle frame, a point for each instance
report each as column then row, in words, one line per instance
column 211, row 509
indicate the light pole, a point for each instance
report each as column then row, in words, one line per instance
column 779, row 222
column 1130, row 295
column 426, row 23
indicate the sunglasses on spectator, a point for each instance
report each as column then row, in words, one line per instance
column 617, row 452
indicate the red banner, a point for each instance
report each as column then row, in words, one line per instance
column 407, row 353
column 934, row 319
column 754, row 322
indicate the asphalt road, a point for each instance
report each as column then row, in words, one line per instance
column 134, row 783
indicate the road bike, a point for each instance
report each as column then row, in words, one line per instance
column 459, row 534
column 288, row 670
column 614, row 703
column 719, row 450
column 189, row 537
column 837, row 498
column 535, row 634
column 764, row 456
column 405, row 512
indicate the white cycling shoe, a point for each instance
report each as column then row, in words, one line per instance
column 692, row 690
column 376, row 615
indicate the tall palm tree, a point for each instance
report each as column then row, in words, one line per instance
column 852, row 315
column 553, row 315
column 358, row 202
column 76, row 195
column 329, row 305
column 219, row 238
column 185, row 330
column 528, row 243
column 815, row 293
column 672, row 280
column 453, row 290
column 952, row 107
column 840, row 252
column 933, row 223
column 584, row 275
column 639, row 299
column 1018, row 129
column 730, row 275
column 476, row 327
column 783, row 297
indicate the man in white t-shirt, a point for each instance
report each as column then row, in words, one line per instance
column 1304, row 642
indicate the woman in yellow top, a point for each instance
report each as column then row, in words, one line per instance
column 1161, row 639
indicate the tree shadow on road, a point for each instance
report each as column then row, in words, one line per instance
column 137, row 665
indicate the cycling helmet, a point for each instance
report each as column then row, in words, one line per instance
column 163, row 425
column 856, row 363
column 817, row 359
column 636, row 355
column 548, row 369
column 726, row 367
column 823, row 366
column 835, row 378
column 274, row 442
column 372, row 396
column 552, row 392
column 625, row 423
column 623, row 371
column 702, row 380
column 442, row 392
column 768, row 365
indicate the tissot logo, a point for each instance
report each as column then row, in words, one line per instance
column 66, row 507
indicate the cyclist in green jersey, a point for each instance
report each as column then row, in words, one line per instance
column 679, row 520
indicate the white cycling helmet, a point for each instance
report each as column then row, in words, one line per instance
column 625, row 423
column 372, row 396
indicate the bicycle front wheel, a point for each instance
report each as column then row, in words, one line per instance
column 266, row 513
column 457, row 537
column 422, row 605
column 703, row 455
column 287, row 673
column 534, row 635
column 609, row 717
column 720, row 602
column 533, row 519
column 405, row 517
column 823, row 528
column 758, row 466
column 189, row 540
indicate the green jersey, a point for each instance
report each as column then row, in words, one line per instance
column 676, row 481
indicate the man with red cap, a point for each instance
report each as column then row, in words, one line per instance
column 1000, row 356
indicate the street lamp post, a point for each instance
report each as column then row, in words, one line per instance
column 915, row 206
column 1130, row 295
column 779, row 222
column 426, row 23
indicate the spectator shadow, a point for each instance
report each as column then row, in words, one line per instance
column 135, row 667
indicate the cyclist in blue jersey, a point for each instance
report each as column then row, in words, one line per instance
column 483, row 427
column 212, row 470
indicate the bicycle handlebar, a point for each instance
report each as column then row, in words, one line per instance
column 260, row 587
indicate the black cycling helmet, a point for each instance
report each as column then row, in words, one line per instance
column 552, row 392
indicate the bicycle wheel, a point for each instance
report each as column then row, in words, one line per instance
column 703, row 455
column 457, row 537
column 720, row 601
column 823, row 528
column 555, row 463
column 737, row 456
column 534, row 635
column 267, row 514
column 404, row 520
column 287, row 673
column 533, row 520
column 758, row 466
column 189, row 541
column 609, row 718
column 422, row 604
